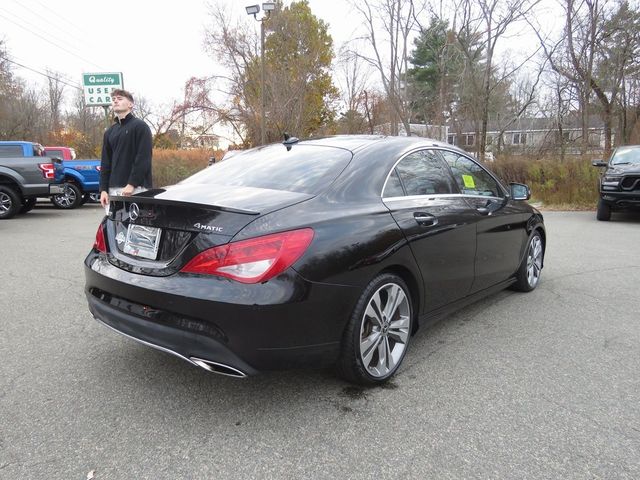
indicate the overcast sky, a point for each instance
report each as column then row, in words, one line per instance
column 156, row 45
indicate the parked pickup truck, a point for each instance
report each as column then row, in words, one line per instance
column 25, row 175
column 81, row 178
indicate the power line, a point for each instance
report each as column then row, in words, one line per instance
column 49, row 41
column 61, row 76
column 60, row 17
column 40, row 73
column 47, row 22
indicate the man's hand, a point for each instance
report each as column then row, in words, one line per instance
column 104, row 199
column 128, row 190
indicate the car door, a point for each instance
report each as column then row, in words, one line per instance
column 502, row 225
column 437, row 222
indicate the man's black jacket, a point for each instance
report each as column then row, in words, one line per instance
column 126, row 154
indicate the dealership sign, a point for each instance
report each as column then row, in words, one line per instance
column 97, row 87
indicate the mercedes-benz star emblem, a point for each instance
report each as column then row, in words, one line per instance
column 134, row 211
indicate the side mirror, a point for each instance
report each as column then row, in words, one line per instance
column 520, row 191
column 599, row 163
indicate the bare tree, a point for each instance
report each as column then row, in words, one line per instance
column 56, row 94
column 353, row 78
column 396, row 20
column 480, row 25
column 28, row 117
column 599, row 47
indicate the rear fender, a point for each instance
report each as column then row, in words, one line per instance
column 8, row 176
column 74, row 176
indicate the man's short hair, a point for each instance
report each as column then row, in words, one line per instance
column 122, row 93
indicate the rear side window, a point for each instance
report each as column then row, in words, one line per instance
column 393, row 188
column 303, row 169
column 7, row 151
column 471, row 178
column 424, row 173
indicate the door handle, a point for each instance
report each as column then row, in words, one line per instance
column 425, row 219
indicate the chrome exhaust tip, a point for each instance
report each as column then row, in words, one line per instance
column 219, row 368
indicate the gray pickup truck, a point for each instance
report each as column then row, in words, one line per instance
column 25, row 174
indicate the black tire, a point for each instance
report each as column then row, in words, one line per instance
column 383, row 335
column 528, row 274
column 604, row 211
column 71, row 198
column 28, row 204
column 85, row 199
column 10, row 202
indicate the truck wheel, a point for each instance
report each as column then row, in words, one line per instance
column 28, row 204
column 71, row 198
column 9, row 202
column 604, row 211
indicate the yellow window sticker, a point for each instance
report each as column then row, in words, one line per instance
column 468, row 181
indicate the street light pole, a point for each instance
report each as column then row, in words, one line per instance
column 267, row 8
column 262, row 103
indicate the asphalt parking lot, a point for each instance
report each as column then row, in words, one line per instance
column 544, row 385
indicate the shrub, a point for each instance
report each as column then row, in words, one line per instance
column 572, row 182
column 171, row 166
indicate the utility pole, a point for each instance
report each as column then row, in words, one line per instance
column 267, row 7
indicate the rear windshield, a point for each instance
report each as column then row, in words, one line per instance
column 303, row 169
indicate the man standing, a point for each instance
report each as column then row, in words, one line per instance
column 125, row 167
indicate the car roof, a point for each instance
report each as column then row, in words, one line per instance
column 17, row 142
column 373, row 158
column 359, row 142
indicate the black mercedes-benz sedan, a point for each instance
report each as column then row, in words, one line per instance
column 313, row 253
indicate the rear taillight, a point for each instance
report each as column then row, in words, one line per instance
column 47, row 170
column 255, row 260
column 100, row 244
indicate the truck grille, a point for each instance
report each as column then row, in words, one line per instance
column 631, row 183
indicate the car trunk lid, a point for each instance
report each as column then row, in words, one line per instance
column 157, row 231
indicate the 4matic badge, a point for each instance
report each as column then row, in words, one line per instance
column 208, row 228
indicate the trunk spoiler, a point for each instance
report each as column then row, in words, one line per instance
column 149, row 199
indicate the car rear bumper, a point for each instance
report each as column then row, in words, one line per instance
column 166, row 338
column 285, row 323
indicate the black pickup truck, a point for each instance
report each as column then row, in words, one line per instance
column 619, row 182
column 25, row 174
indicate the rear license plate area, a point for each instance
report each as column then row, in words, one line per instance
column 142, row 241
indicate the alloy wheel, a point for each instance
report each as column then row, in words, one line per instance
column 66, row 199
column 5, row 202
column 384, row 331
column 534, row 261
